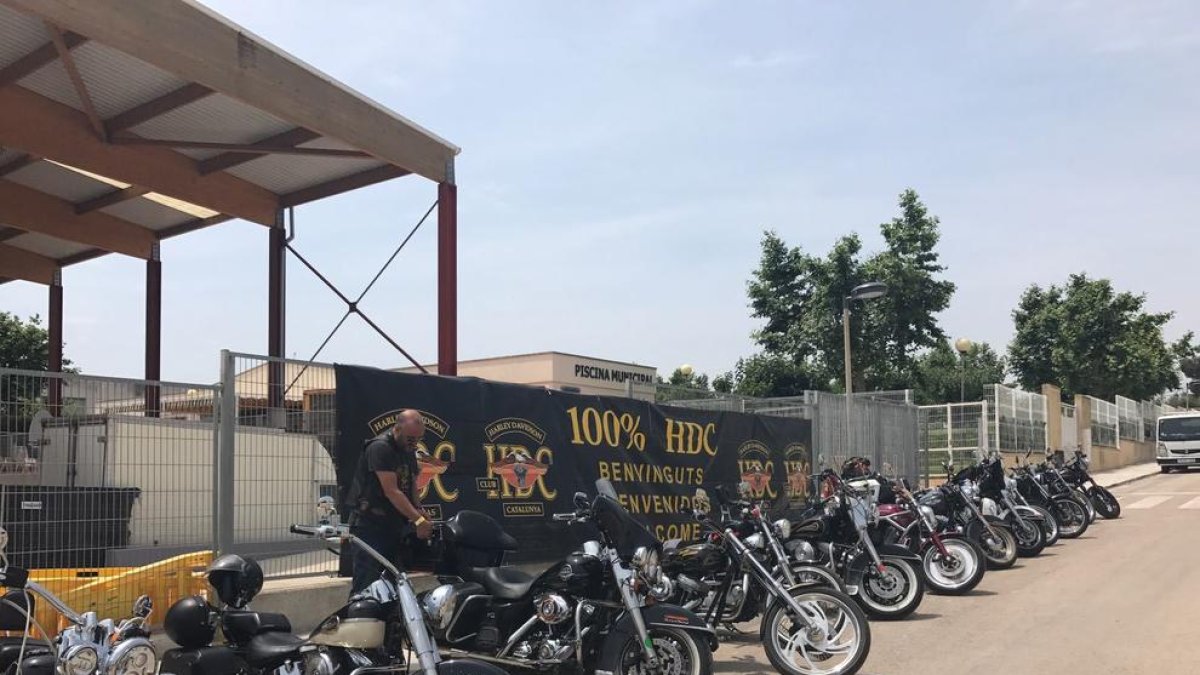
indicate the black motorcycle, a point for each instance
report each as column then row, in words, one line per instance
column 807, row 628
column 996, row 498
column 840, row 533
column 701, row 569
column 599, row 610
column 1076, row 474
column 1038, row 489
column 374, row 633
column 955, row 508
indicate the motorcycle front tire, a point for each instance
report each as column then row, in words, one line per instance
column 627, row 658
column 998, row 558
column 1105, row 502
column 1030, row 538
column 778, row 612
column 1049, row 524
column 1072, row 517
column 967, row 579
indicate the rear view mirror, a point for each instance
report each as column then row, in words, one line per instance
column 142, row 607
column 581, row 500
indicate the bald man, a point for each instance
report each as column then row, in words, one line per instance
column 387, row 510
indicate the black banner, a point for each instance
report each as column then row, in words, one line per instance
column 520, row 453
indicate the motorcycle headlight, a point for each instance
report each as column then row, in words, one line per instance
column 138, row 659
column 755, row 541
column 783, row 528
column 645, row 561
column 928, row 516
column 81, row 660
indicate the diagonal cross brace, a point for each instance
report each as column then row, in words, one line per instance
column 352, row 306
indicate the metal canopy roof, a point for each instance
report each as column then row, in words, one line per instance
column 124, row 122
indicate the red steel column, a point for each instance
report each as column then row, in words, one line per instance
column 153, row 331
column 277, row 311
column 448, row 274
column 55, row 364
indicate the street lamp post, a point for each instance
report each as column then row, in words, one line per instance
column 867, row 291
column 963, row 347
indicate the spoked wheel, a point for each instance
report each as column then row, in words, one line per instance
column 893, row 593
column 1049, row 524
column 833, row 637
column 999, row 548
column 1030, row 541
column 956, row 573
column 1086, row 502
column 677, row 653
column 1106, row 503
column 1072, row 517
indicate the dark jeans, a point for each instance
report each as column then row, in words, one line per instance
column 385, row 540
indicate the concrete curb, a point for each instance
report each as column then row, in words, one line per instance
column 1127, row 481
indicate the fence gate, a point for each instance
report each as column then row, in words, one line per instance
column 1070, row 430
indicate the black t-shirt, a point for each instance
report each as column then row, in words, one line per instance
column 384, row 453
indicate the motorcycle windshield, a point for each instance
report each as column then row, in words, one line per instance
column 624, row 533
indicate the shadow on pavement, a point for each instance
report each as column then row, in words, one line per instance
column 918, row 616
column 978, row 593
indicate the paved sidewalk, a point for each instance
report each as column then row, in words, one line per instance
column 1114, row 477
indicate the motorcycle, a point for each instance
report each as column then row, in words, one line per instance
column 996, row 496
column 371, row 634
column 955, row 509
column 699, row 570
column 885, row 579
column 89, row 646
column 599, row 610
column 952, row 563
column 807, row 628
column 1076, row 474
column 1037, row 489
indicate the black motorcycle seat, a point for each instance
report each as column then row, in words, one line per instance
column 479, row 531
column 271, row 649
column 505, row 583
column 10, row 649
column 242, row 625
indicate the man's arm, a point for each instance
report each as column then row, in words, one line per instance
column 391, row 489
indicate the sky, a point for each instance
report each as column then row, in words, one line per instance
column 621, row 161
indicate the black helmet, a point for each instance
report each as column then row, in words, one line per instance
column 235, row 579
column 190, row 623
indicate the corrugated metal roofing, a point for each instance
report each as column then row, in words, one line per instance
column 50, row 247
column 149, row 214
column 19, row 35
column 58, row 181
column 282, row 174
column 117, row 82
column 216, row 119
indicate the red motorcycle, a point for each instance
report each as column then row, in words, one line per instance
column 953, row 564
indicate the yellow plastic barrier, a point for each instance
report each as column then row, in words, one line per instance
column 111, row 591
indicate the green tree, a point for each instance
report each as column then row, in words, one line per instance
column 768, row 375
column 799, row 297
column 943, row 376
column 683, row 384
column 24, row 345
column 1087, row 338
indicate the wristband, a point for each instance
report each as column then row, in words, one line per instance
column 420, row 521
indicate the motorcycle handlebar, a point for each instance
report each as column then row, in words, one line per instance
column 302, row 529
column 563, row 517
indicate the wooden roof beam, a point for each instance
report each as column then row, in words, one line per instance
column 81, row 90
column 17, row 164
column 229, row 160
column 25, row 265
column 198, row 45
column 39, row 126
column 36, row 59
column 33, row 211
column 188, row 93
column 110, row 198
column 340, row 185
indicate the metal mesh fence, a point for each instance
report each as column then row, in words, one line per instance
column 952, row 432
column 106, row 486
column 282, row 448
column 1017, row 419
column 1129, row 419
column 883, row 429
column 1104, row 422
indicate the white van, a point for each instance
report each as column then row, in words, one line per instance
column 1178, row 438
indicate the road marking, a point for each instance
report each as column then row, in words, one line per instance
column 1193, row 504
column 1148, row 502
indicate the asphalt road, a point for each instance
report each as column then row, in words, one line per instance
column 1123, row 598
